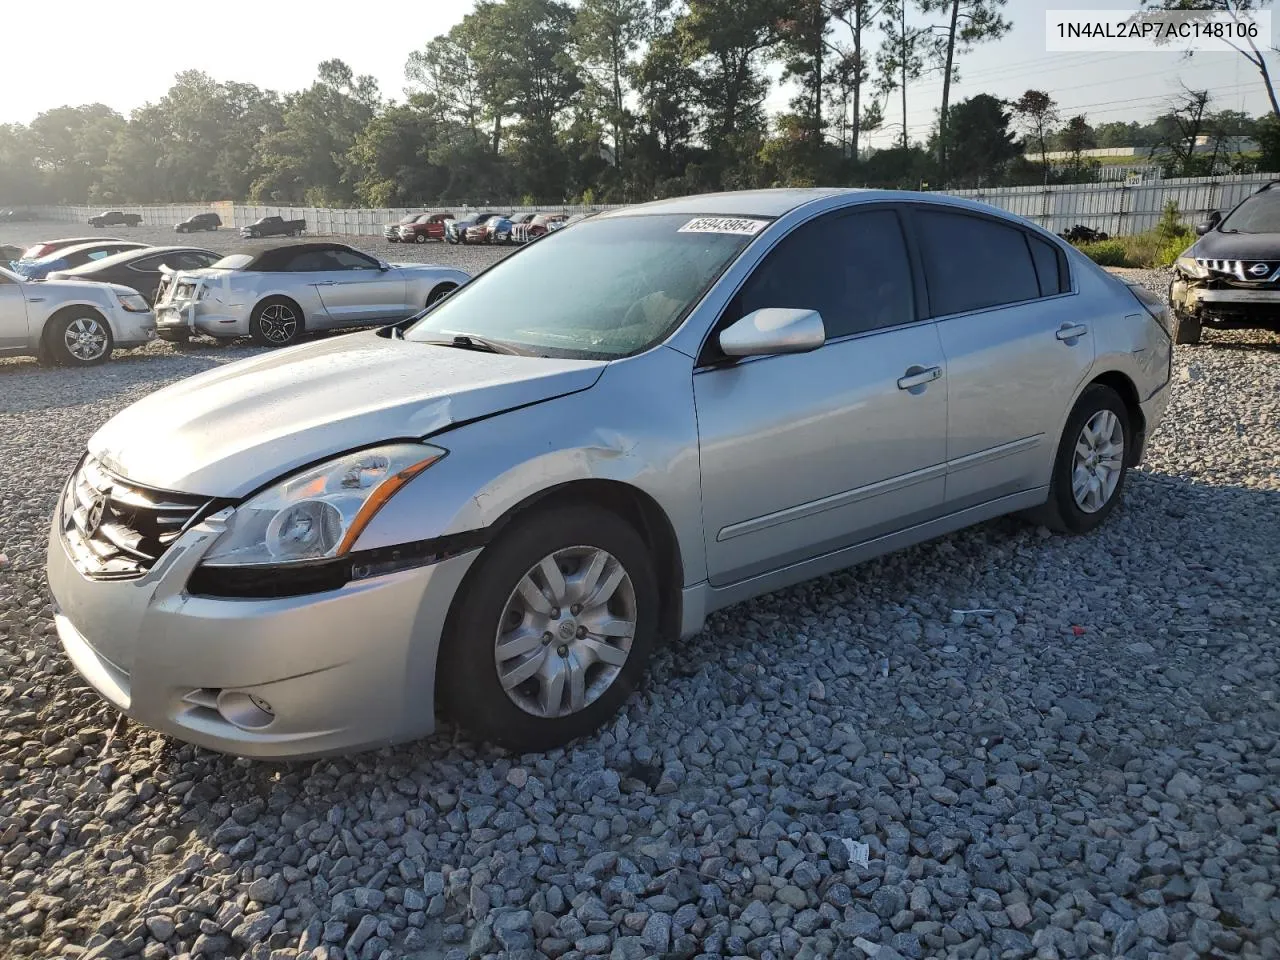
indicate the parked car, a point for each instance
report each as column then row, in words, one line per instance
column 76, row 324
column 200, row 221
column 273, row 295
column 115, row 218
column 523, row 493
column 273, row 227
column 17, row 216
column 45, row 247
column 1229, row 279
column 140, row 269
column 478, row 232
column 1082, row 234
column 539, row 226
column 427, row 226
column 455, row 230
column 391, row 231
column 67, row 258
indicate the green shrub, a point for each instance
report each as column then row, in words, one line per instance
column 1106, row 253
column 1172, row 250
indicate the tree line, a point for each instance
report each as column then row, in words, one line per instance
column 544, row 101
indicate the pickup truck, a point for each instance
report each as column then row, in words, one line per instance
column 114, row 218
column 273, row 227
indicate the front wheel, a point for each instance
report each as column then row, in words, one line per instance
column 420, row 238
column 276, row 323
column 1092, row 463
column 80, row 339
column 552, row 631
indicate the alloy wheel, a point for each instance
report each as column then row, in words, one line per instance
column 278, row 322
column 85, row 339
column 1098, row 461
column 566, row 632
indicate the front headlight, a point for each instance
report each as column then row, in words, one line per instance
column 1189, row 266
column 319, row 513
column 133, row 302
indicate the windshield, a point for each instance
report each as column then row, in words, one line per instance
column 1259, row 214
column 607, row 288
column 237, row 261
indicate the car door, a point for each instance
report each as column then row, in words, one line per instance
column 13, row 314
column 1016, row 345
column 803, row 454
column 360, row 291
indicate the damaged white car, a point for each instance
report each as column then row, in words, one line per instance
column 277, row 294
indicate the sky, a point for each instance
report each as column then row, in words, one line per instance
column 277, row 44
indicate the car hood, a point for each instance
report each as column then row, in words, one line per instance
column 75, row 287
column 1237, row 246
column 228, row 431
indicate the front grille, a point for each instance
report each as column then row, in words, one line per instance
column 117, row 530
column 1247, row 271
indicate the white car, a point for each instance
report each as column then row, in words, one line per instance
column 71, row 322
column 275, row 294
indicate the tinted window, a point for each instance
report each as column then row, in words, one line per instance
column 1049, row 268
column 971, row 262
column 313, row 261
column 151, row 263
column 192, row 261
column 852, row 268
column 353, row 261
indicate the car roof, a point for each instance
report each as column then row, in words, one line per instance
column 272, row 258
column 776, row 202
column 74, row 241
column 96, row 245
column 128, row 256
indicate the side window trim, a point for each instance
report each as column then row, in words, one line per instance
column 918, row 288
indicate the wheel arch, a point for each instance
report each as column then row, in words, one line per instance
column 637, row 508
column 74, row 308
column 1128, row 392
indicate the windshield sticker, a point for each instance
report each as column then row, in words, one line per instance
column 737, row 225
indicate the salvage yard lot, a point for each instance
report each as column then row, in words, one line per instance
column 1063, row 746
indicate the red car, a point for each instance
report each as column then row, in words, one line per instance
column 427, row 226
column 536, row 227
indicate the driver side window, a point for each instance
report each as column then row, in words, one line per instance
column 852, row 267
column 350, row 261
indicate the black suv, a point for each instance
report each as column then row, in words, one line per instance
column 201, row 221
column 1230, row 278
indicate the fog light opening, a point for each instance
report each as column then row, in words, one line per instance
column 245, row 710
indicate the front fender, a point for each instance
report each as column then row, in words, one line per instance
column 635, row 426
column 40, row 313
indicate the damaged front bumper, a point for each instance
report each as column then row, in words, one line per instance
column 1216, row 303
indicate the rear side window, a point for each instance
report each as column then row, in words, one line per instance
column 1050, row 270
column 312, row 261
column 148, row 263
column 851, row 268
column 972, row 263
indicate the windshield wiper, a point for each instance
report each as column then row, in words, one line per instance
column 467, row 341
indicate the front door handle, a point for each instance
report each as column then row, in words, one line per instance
column 918, row 376
column 1071, row 331
column 324, row 283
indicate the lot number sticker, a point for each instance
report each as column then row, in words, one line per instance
column 736, row 225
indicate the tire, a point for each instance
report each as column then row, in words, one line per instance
column 490, row 604
column 276, row 322
column 439, row 292
column 175, row 337
column 1100, row 408
column 420, row 238
column 1186, row 328
column 79, row 338
column 180, row 230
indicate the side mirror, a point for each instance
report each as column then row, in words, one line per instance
column 1214, row 219
column 383, row 266
column 774, row 330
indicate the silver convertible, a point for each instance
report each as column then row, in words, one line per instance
column 275, row 294
column 501, row 505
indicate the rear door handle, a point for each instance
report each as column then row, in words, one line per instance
column 917, row 376
column 1071, row 331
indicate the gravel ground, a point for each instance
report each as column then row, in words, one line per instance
column 1084, row 764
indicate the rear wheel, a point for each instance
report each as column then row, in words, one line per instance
column 1186, row 328
column 1092, row 463
column 552, row 631
column 276, row 322
column 420, row 238
column 79, row 339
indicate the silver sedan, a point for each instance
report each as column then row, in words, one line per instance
column 500, row 506
column 275, row 294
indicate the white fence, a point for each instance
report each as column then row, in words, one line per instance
column 1116, row 208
